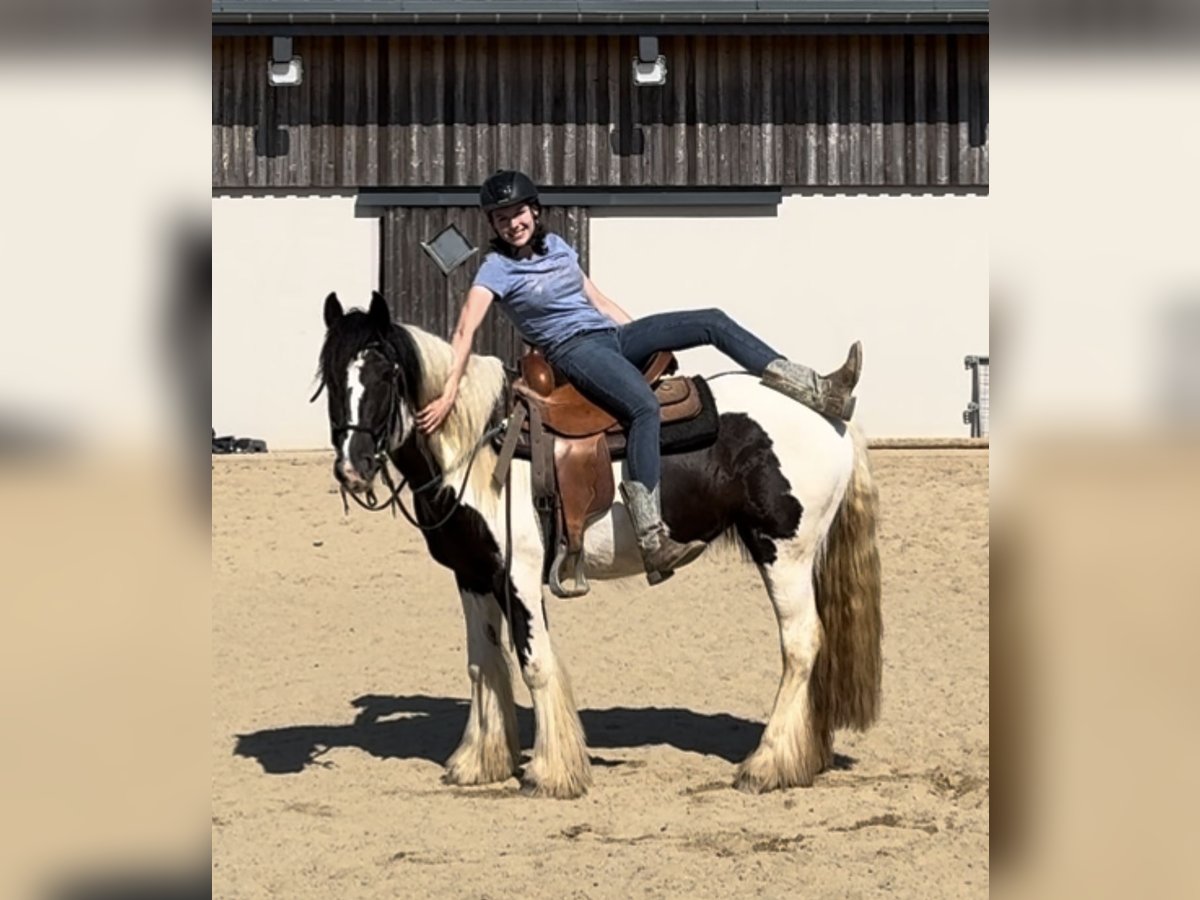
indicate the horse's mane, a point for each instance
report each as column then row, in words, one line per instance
column 425, row 361
column 479, row 391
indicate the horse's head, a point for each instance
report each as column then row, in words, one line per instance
column 369, row 372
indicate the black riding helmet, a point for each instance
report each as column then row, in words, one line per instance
column 507, row 188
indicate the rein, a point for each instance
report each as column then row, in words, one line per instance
column 393, row 502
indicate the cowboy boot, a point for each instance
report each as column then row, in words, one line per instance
column 829, row 394
column 660, row 554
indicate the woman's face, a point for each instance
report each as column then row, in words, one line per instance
column 514, row 224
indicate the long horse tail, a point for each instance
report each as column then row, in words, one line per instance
column 845, row 684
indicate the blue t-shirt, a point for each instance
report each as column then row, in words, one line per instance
column 543, row 295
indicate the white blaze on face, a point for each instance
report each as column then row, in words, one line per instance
column 356, row 391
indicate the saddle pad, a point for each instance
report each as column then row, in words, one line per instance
column 677, row 437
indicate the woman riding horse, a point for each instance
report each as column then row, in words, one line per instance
column 601, row 349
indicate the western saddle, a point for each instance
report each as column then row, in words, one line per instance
column 570, row 443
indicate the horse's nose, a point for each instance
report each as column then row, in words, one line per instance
column 350, row 475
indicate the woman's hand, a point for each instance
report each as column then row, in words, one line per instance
column 430, row 418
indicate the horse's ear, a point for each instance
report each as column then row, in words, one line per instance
column 379, row 314
column 333, row 309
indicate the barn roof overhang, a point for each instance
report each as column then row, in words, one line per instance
column 612, row 16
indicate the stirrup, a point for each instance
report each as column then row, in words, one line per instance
column 575, row 562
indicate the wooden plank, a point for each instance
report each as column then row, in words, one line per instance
column 549, row 56
column 485, row 86
column 768, row 55
column 425, row 118
column 700, row 97
column 749, row 166
column 304, row 131
column 941, row 79
column 920, row 127
column 855, row 110
column 460, row 153
column 811, row 115
column 614, row 77
column 591, row 127
column 259, row 175
column 237, row 156
column 822, row 110
column 522, row 109
column 569, row 134
column 220, row 107
column 319, row 107
column 897, row 115
column 437, row 170
column 686, row 120
column 414, row 122
column 649, row 114
column 833, row 103
column 793, row 111
column 348, row 70
column 282, row 161
column 962, row 85
column 712, row 133
column 340, row 113
column 228, row 126
column 984, row 108
column 248, row 127
column 877, row 167
column 978, row 58
column 720, row 161
column 628, row 166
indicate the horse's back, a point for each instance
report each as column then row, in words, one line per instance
column 777, row 472
column 816, row 454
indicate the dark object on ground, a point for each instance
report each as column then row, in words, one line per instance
column 230, row 444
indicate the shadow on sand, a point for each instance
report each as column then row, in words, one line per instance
column 423, row 727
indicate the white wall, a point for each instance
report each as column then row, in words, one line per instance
column 908, row 275
column 274, row 260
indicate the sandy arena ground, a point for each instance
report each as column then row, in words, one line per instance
column 340, row 683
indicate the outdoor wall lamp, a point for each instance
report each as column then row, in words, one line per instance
column 650, row 67
column 284, row 69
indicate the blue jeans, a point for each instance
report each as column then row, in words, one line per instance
column 606, row 367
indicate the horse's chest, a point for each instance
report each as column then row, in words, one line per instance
column 466, row 546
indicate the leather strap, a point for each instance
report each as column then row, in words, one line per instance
column 545, row 495
column 509, row 447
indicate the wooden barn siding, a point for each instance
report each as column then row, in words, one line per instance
column 418, row 292
column 787, row 110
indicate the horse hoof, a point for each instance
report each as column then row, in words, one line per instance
column 561, row 791
column 462, row 778
column 472, row 770
column 750, row 784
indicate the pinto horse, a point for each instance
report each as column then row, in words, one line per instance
column 789, row 486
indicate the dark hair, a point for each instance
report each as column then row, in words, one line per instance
column 538, row 241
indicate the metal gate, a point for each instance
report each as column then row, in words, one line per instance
column 419, row 293
column 978, row 410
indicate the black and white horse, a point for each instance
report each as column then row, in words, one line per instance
column 791, row 487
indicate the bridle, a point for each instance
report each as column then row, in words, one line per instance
column 382, row 456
